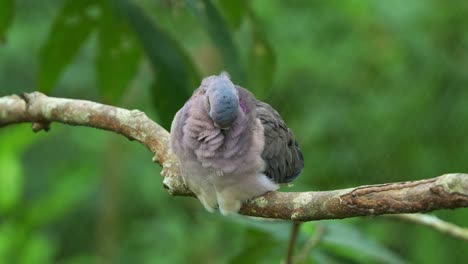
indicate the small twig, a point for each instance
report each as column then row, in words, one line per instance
column 436, row 224
column 310, row 244
column 37, row 126
column 292, row 241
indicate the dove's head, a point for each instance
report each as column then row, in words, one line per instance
column 221, row 101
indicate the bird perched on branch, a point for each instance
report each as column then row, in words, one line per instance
column 232, row 147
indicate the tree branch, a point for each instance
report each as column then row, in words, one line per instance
column 292, row 242
column 444, row 192
column 310, row 244
column 435, row 223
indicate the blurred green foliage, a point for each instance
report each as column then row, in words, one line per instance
column 374, row 90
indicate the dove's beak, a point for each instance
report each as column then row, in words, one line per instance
column 221, row 127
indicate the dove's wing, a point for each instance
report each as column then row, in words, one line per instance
column 282, row 155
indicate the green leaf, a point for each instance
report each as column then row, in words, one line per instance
column 63, row 196
column 165, row 100
column 261, row 63
column 234, row 11
column 14, row 140
column 318, row 256
column 6, row 15
column 11, row 181
column 118, row 56
column 10, row 235
column 175, row 74
column 82, row 259
column 258, row 248
column 70, row 29
column 280, row 230
column 219, row 32
column 343, row 240
column 37, row 249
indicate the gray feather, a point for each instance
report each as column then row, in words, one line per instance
column 283, row 157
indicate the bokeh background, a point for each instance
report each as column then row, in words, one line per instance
column 375, row 92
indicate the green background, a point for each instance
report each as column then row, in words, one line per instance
column 375, row 92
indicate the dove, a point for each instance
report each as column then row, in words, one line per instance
column 232, row 147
